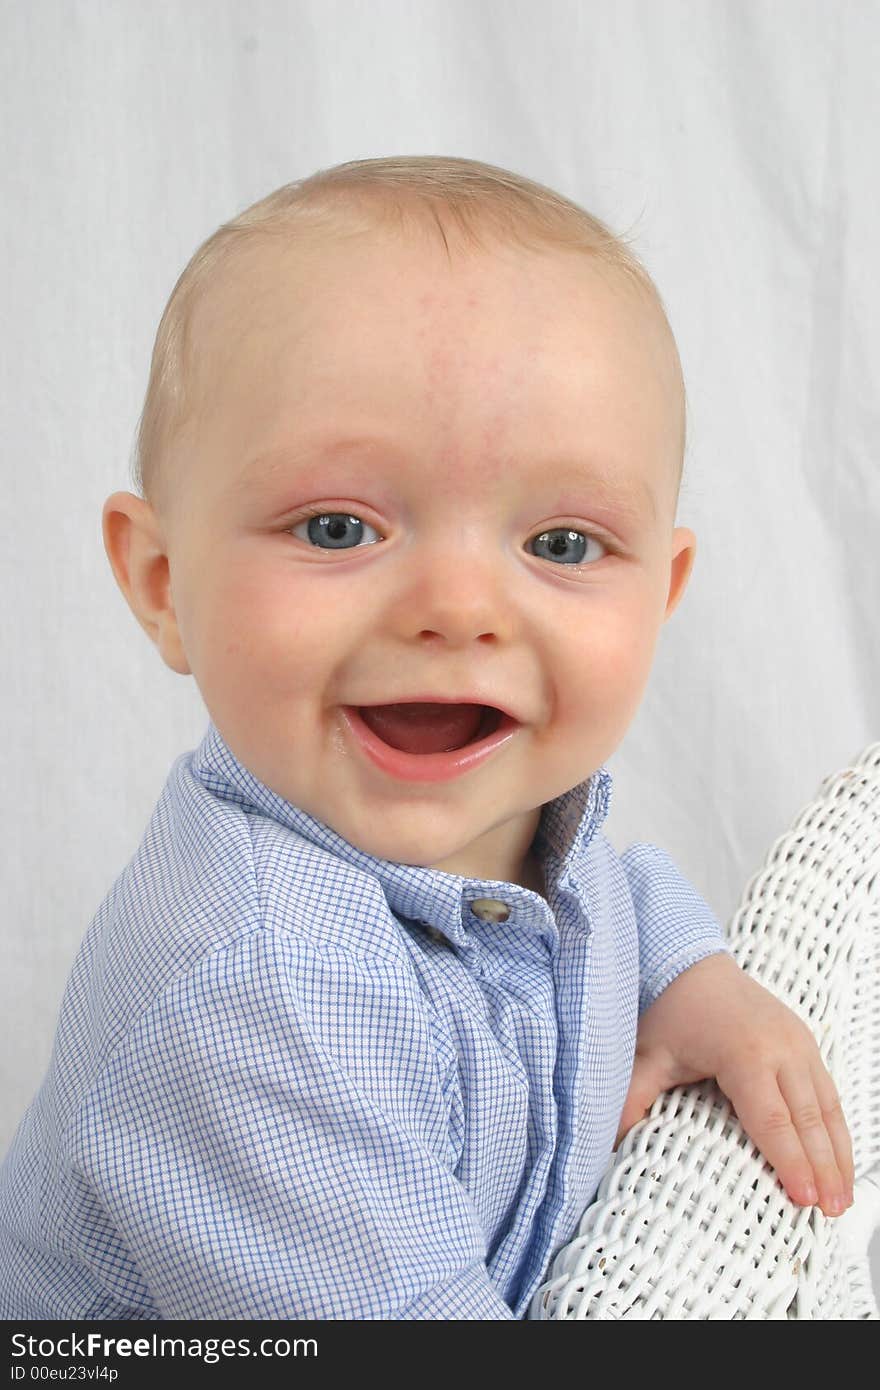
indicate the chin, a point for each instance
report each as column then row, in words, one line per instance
column 409, row 847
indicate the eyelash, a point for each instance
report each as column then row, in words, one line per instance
column 547, row 531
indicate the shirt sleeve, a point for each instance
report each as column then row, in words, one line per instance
column 272, row 1141
column 676, row 927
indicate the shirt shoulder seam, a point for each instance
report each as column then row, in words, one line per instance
column 217, row 949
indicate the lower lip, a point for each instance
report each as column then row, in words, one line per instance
column 427, row 767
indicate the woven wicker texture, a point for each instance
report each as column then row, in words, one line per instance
column 689, row 1220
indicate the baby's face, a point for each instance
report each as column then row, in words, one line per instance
column 469, row 429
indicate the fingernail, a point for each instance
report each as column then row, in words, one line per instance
column 836, row 1206
column 811, row 1193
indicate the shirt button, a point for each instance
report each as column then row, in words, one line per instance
column 490, row 910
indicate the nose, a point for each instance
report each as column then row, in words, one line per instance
column 457, row 593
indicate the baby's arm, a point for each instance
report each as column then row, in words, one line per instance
column 714, row 1021
column 257, row 1164
column 701, row 1016
column 676, row 926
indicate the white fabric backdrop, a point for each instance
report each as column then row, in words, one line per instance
column 737, row 138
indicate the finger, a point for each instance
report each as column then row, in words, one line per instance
column 647, row 1081
column 766, row 1118
column 809, row 1116
column 835, row 1123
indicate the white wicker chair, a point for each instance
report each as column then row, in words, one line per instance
column 689, row 1220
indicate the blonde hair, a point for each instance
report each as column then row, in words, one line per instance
column 353, row 198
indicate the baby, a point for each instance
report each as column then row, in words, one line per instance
column 355, row 1032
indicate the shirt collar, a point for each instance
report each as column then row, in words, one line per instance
column 431, row 897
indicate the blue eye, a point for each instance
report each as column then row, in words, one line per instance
column 335, row 531
column 568, row 547
column 340, row 531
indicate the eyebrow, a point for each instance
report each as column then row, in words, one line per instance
column 632, row 498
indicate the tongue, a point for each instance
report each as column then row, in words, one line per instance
column 424, row 728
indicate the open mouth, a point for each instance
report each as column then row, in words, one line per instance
column 430, row 728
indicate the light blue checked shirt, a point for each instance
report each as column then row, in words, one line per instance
column 291, row 1080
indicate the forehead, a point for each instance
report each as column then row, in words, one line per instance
column 500, row 350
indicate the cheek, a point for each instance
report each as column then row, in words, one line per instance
column 259, row 628
column 610, row 655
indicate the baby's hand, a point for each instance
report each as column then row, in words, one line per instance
column 714, row 1021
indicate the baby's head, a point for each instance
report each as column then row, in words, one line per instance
column 414, row 432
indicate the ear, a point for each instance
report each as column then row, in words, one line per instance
column 138, row 556
column 684, row 550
